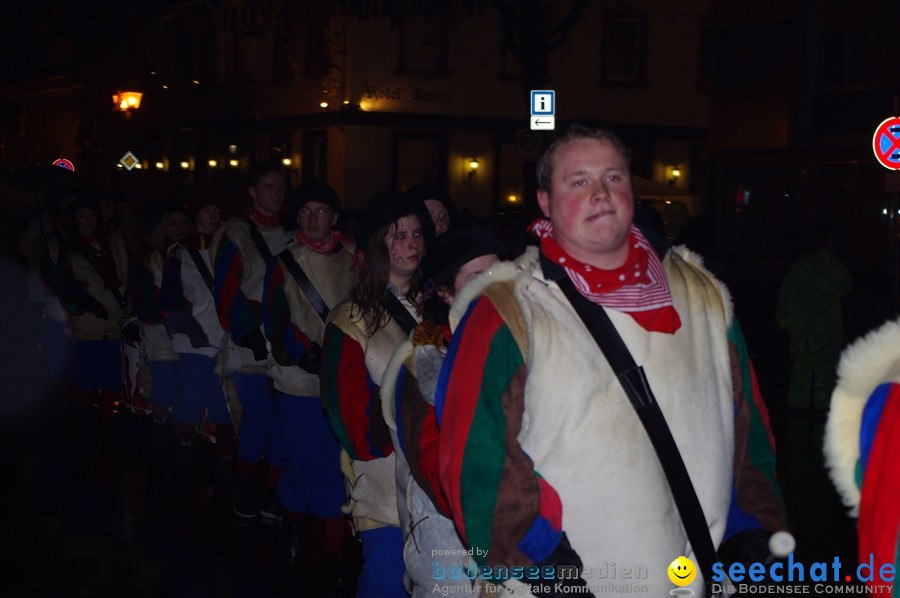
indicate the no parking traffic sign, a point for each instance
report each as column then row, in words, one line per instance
column 886, row 143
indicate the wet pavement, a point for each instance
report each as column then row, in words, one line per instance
column 90, row 512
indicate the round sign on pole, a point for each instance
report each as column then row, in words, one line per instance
column 63, row 163
column 886, row 143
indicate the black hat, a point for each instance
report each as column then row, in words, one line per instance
column 305, row 193
column 388, row 207
column 425, row 191
column 82, row 202
column 456, row 248
column 315, row 191
column 205, row 196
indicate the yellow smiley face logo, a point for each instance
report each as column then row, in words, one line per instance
column 682, row 571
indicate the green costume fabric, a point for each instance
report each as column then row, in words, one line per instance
column 809, row 309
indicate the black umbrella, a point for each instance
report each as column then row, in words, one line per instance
column 24, row 190
column 43, row 176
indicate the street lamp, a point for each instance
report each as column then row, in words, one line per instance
column 126, row 100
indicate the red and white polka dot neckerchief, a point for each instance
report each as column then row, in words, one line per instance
column 638, row 287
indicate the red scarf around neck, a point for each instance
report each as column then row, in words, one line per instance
column 263, row 221
column 638, row 287
column 326, row 246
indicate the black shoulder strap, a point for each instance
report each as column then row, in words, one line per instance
column 636, row 386
column 260, row 243
column 306, row 285
column 403, row 318
column 201, row 266
column 121, row 299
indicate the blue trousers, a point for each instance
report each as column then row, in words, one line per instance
column 312, row 481
column 257, row 419
column 382, row 568
column 97, row 364
column 199, row 387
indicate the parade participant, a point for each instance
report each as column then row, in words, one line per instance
column 809, row 309
column 55, row 350
column 440, row 207
column 91, row 281
column 543, row 457
column 157, row 354
column 188, row 310
column 311, row 275
column 861, row 444
column 360, row 338
column 432, row 547
column 243, row 248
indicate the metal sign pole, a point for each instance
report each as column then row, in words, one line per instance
column 892, row 249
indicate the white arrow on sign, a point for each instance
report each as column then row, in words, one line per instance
column 543, row 123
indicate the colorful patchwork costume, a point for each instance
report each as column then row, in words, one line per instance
column 861, row 442
column 537, row 437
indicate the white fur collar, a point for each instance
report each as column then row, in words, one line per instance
column 864, row 365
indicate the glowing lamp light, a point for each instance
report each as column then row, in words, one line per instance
column 185, row 165
column 213, row 163
column 126, row 100
column 673, row 174
column 233, row 163
column 473, row 165
column 160, row 166
column 512, row 199
column 323, row 104
column 286, row 162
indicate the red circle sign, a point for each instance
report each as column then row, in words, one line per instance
column 886, row 143
column 63, row 163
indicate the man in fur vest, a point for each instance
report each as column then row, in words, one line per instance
column 542, row 457
column 302, row 284
column 243, row 248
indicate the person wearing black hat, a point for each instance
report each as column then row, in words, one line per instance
column 91, row 282
column 206, row 208
column 314, row 273
column 242, row 249
column 432, row 547
column 440, row 207
column 362, row 333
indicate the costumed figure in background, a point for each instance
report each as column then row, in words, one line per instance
column 809, row 309
column 188, row 310
column 360, row 338
column 243, row 248
column 91, row 280
column 433, row 552
column 313, row 273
